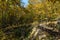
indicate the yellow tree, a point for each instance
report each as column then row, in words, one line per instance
column 46, row 10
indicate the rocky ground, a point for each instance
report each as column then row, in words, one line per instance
column 45, row 31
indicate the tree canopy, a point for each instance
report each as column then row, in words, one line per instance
column 18, row 22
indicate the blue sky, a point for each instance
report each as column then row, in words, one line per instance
column 25, row 2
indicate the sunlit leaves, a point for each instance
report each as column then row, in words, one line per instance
column 47, row 9
column 12, row 13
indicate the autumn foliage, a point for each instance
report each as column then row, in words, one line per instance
column 16, row 20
